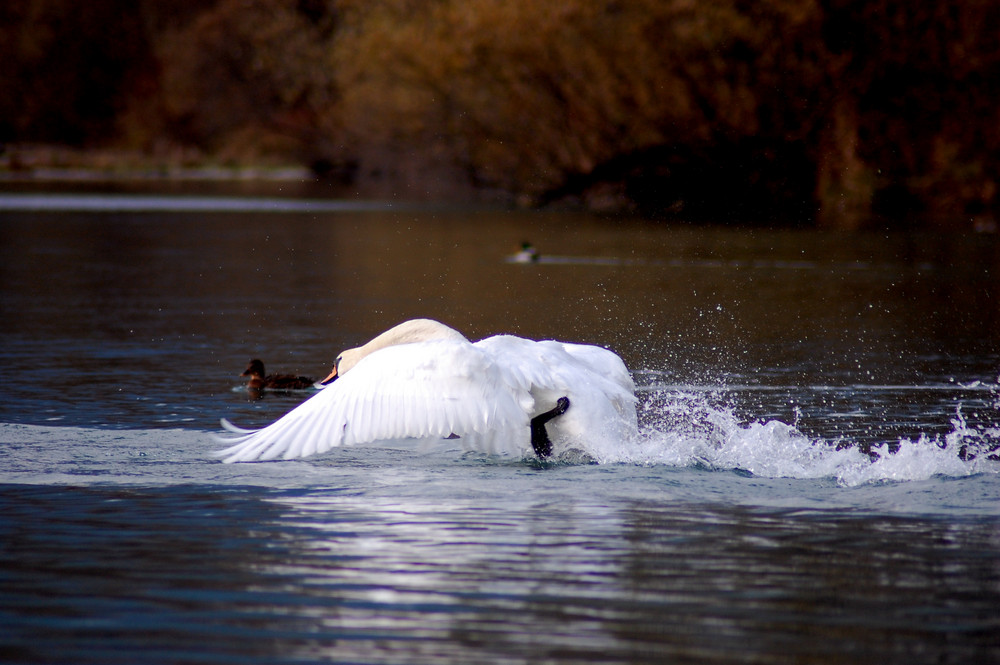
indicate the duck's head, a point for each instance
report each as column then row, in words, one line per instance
column 255, row 368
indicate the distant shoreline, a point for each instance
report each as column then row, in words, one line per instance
column 41, row 165
column 181, row 171
column 53, row 163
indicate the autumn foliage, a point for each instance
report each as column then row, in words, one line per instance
column 840, row 113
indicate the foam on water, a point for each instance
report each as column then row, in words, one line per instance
column 686, row 429
column 677, row 429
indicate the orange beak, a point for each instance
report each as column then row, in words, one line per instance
column 331, row 378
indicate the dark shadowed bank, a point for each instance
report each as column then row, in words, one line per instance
column 834, row 113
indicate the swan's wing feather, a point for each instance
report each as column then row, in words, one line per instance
column 230, row 427
column 427, row 389
column 418, row 390
column 604, row 363
column 520, row 361
column 288, row 436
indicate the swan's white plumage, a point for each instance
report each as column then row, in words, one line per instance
column 484, row 393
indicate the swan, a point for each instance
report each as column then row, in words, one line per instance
column 422, row 380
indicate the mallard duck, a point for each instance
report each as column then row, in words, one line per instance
column 260, row 381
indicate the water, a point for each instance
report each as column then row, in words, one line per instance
column 813, row 482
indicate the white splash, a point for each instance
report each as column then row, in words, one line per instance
column 685, row 429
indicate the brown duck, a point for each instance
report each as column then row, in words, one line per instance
column 261, row 381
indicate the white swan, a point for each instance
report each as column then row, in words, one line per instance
column 423, row 380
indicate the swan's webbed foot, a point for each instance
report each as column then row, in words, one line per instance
column 539, row 436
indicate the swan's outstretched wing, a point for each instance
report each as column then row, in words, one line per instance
column 420, row 390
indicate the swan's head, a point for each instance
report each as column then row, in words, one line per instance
column 417, row 330
column 344, row 362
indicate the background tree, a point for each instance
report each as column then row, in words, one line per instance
column 840, row 113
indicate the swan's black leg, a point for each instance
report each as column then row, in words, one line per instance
column 539, row 436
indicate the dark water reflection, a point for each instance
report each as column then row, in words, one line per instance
column 189, row 575
column 146, row 319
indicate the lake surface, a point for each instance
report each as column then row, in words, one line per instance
column 816, row 479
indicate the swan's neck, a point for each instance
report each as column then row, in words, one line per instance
column 417, row 330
